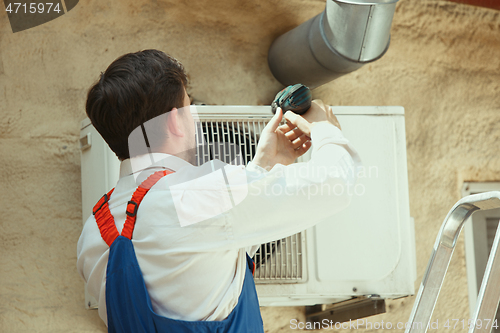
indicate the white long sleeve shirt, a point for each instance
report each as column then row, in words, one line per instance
column 195, row 226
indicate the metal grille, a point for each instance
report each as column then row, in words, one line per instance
column 234, row 141
column 231, row 141
column 279, row 260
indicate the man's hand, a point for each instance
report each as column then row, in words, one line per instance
column 318, row 112
column 280, row 144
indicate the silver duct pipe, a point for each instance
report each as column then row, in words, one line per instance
column 344, row 37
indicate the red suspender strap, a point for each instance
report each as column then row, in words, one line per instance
column 105, row 220
column 133, row 204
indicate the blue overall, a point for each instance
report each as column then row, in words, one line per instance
column 127, row 300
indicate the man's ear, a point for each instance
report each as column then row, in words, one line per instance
column 174, row 124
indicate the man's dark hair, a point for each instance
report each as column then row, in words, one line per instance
column 135, row 88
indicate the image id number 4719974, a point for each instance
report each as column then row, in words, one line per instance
column 463, row 324
column 33, row 8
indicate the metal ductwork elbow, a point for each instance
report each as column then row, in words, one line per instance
column 341, row 39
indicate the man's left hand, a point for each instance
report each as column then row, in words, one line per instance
column 280, row 144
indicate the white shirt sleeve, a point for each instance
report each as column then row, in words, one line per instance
column 253, row 206
column 290, row 199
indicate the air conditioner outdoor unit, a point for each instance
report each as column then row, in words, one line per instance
column 366, row 251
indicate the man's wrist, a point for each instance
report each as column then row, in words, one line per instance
column 252, row 166
column 263, row 163
column 326, row 129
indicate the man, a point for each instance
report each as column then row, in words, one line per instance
column 186, row 266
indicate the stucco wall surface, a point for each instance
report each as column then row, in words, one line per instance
column 442, row 66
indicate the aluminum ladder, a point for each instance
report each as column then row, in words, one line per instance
column 489, row 293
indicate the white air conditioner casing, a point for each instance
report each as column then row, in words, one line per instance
column 367, row 249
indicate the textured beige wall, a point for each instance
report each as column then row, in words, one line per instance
column 442, row 66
